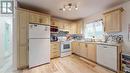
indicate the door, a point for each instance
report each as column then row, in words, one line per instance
column 39, row 52
column 39, row 31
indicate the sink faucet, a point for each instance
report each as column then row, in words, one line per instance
column 106, row 39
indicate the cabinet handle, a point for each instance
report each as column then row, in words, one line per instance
column 40, row 20
column 86, row 45
column 105, row 47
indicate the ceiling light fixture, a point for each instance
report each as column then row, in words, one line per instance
column 69, row 7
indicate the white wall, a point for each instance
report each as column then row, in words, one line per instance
column 125, row 21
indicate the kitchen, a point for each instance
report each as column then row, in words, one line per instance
column 97, row 43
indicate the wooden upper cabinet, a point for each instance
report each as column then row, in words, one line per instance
column 54, row 23
column 45, row 19
column 36, row 17
column 112, row 21
column 67, row 26
column 73, row 27
column 79, row 27
column 116, row 15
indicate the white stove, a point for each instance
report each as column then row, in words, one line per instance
column 65, row 48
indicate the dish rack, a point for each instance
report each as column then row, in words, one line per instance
column 125, row 68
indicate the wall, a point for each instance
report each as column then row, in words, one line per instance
column 125, row 22
column 5, row 43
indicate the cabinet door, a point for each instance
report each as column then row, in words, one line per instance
column 91, row 52
column 66, row 26
column 116, row 17
column 73, row 28
column 54, row 23
column 108, row 22
column 83, row 50
column 75, row 48
column 61, row 25
column 45, row 19
column 34, row 17
column 23, row 21
column 79, row 27
column 55, row 50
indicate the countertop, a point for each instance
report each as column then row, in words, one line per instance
column 99, row 43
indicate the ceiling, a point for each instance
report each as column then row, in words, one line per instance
column 86, row 7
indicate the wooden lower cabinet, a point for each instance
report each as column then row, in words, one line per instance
column 86, row 50
column 75, row 48
column 91, row 54
column 55, row 49
column 83, row 50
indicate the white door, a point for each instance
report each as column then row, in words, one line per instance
column 39, row 52
column 39, row 31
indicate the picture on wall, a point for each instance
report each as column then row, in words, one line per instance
column 129, row 32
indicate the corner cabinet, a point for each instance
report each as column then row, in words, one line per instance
column 112, row 20
column 36, row 17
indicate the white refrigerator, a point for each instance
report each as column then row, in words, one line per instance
column 39, row 45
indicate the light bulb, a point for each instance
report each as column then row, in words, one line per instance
column 63, row 9
column 76, row 8
column 69, row 9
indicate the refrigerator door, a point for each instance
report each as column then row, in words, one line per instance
column 39, row 31
column 39, row 52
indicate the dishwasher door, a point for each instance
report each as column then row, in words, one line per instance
column 107, row 56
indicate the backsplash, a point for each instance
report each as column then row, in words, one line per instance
column 114, row 37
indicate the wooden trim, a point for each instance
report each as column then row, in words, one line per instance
column 121, row 9
column 22, row 68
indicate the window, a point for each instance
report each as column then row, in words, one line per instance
column 6, row 7
column 94, row 29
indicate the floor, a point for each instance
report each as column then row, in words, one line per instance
column 70, row 64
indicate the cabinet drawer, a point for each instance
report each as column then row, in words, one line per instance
column 54, row 49
column 55, row 54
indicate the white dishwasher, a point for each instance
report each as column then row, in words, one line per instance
column 107, row 56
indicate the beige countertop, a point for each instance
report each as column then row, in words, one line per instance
column 99, row 43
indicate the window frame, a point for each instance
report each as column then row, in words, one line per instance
column 94, row 28
column 6, row 7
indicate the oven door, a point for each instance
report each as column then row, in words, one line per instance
column 65, row 47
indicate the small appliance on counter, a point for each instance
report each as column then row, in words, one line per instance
column 77, row 37
column 62, row 33
column 54, row 38
column 125, row 62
